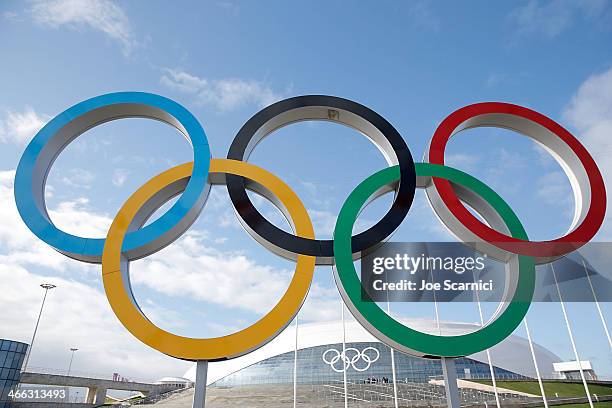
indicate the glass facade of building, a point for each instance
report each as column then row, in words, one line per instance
column 364, row 363
column 12, row 354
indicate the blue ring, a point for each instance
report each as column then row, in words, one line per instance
column 48, row 143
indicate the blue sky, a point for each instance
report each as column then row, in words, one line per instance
column 414, row 63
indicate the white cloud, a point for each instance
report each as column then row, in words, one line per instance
column 544, row 157
column 17, row 242
column 311, row 187
column 167, row 318
column 100, row 15
column 464, row 161
column 223, row 94
column 554, row 188
column 324, row 223
column 20, row 246
column 590, row 112
column 322, row 304
column 79, row 178
column 20, row 127
column 591, row 107
column 183, row 81
column 188, row 269
column 119, row 177
column 75, row 315
column 9, row 15
column 75, row 217
column 191, row 269
column 553, row 17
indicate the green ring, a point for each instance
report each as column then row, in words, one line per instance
column 389, row 330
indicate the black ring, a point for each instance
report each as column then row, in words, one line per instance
column 328, row 108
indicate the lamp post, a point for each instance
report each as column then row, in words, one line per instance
column 71, row 358
column 46, row 287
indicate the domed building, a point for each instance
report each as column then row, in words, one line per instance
column 176, row 381
column 319, row 359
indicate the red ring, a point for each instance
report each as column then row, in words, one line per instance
column 560, row 246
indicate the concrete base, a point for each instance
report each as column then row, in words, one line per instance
column 96, row 396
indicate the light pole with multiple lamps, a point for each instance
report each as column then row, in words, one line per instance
column 46, row 287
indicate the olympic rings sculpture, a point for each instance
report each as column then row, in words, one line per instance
column 502, row 237
column 347, row 363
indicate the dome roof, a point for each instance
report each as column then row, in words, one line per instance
column 173, row 380
column 513, row 354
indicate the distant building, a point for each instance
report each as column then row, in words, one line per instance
column 177, row 381
column 12, row 354
column 570, row 370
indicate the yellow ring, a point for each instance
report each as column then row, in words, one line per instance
column 216, row 348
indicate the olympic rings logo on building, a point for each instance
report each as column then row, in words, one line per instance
column 352, row 362
column 500, row 234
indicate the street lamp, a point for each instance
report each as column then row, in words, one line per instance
column 71, row 358
column 46, row 287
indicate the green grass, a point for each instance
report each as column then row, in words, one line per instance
column 550, row 388
column 606, row 404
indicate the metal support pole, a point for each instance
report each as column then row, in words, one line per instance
column 571, row 336
column 601, row 316
column 436, row 305
column 295, row 356
column 344, row 368
column 199, row 395
column 46, row 287
column 448, row 365
column 535, row 363
column 491, row 369
column 393, row 375
column 71, row 358
column 450, row 383
column 395, row 399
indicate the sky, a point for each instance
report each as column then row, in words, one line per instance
column 412, row 62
